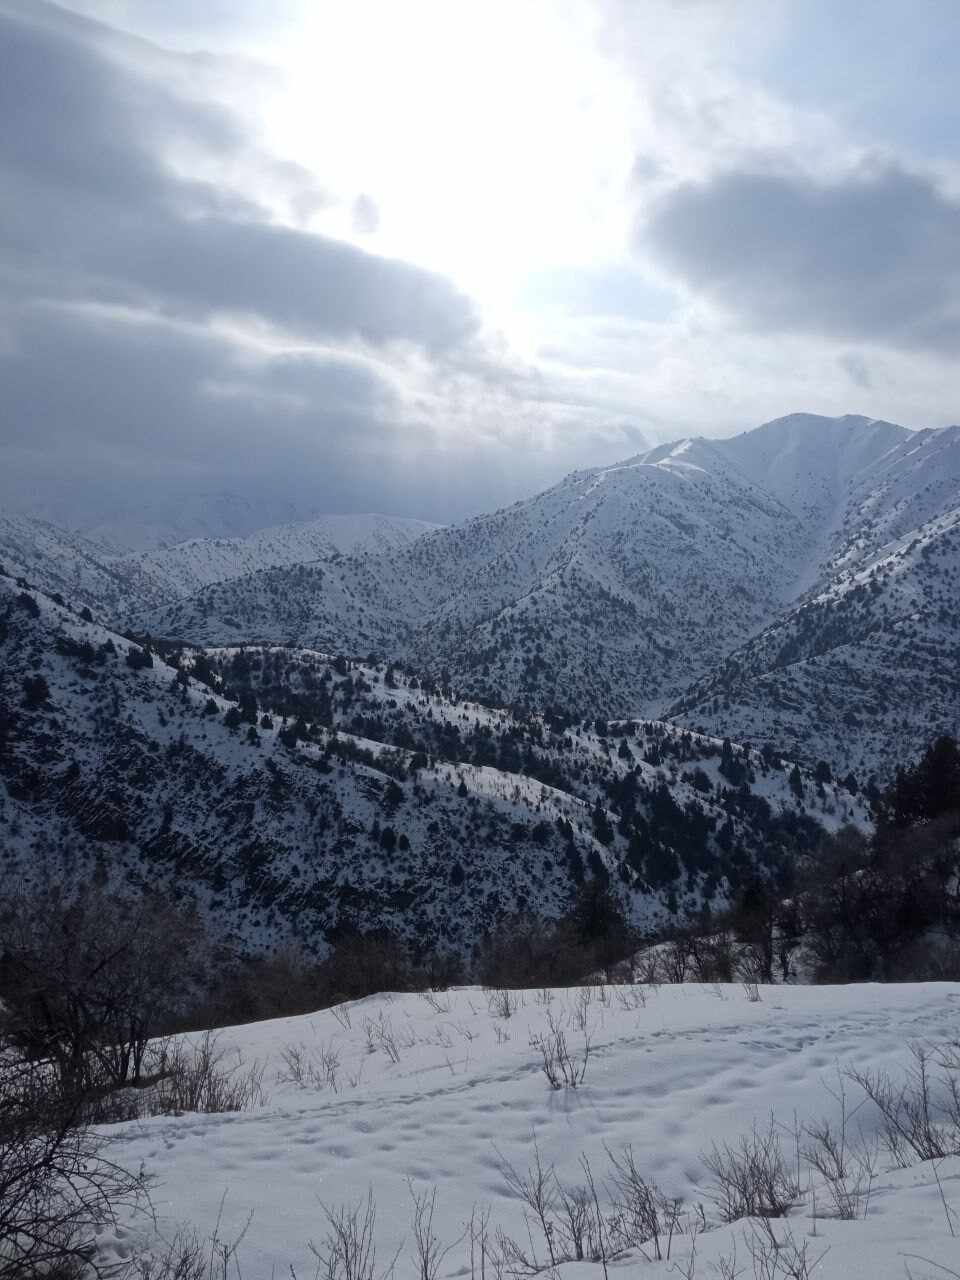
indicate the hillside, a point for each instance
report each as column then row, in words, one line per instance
column 91, row 572
column 662, row 586
column 185, row 567
column 598, row 596
column 863, row 665
column 366, row 800
column 71, row 565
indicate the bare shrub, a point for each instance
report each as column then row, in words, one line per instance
column 781, row 1258
column 429, row 1251
column 676, row 960
column 751, row 1179
column 190, row 1257
column 643, row 1217
column 650, row 969
column 576, row 1222
column 87, row 981
column 713, row 957
column 438, row 1003
column 307, row 1068
column 342, row 1014
column 631, row 997
column 753, row 965
column 537, row 1189
column 481, row 1249
column 348, row 1251
column 848, row 1174
column 502, row 1003
column 919, row 1116
column 380, row 1034
column 581, row 1008
column 566, row 1223
column 847, row 1170
column 58, row 1184
column 752, row 991
column 563, row 1069
column 197, row 1078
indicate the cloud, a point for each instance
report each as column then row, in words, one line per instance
column 91, row 211
column 869, row 256
column 162, row 331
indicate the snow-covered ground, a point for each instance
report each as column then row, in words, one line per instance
column 437, row 1091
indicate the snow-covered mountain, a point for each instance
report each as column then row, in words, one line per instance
column 289, row 793
column 129, row 520
column 116, row 586
column 599, row 595
column 71, row 565
column 186, row 567
column 700, row 580
column 624, row 590
column 865, row 665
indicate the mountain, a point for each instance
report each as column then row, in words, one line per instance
column 71, row 565
column 116, row 586
column 680, row 582
column 130, row 521
column 599, row 596
column 863, row 671
column 186, row 567
column 720, row 583
column 291, row 794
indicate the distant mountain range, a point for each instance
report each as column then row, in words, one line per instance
column 120, row 585
column 793, row 585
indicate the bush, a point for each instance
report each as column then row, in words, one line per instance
column 751, row 1179
column 920, row 1116
column 58, row 1185
column 86, row 982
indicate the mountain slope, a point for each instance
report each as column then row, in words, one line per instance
column 863, row 672
column 625, row 590
column 599, row 596
column 696, row 574
column 377, row 803
column 186, row 567
column 68, row 564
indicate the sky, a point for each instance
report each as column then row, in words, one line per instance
column 426, row 258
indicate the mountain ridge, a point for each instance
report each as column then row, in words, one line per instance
column 650, row 587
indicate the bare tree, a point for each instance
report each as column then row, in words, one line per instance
column 86, row 982
column 58, row 1184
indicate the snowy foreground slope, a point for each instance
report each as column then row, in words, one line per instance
column 672, row 1070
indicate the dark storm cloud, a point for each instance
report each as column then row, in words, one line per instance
column 136, row 418
column 873, row 256
column 102, row 399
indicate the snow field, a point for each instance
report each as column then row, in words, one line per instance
column 434, row 1091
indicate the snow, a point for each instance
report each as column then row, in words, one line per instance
column 672, row 1070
